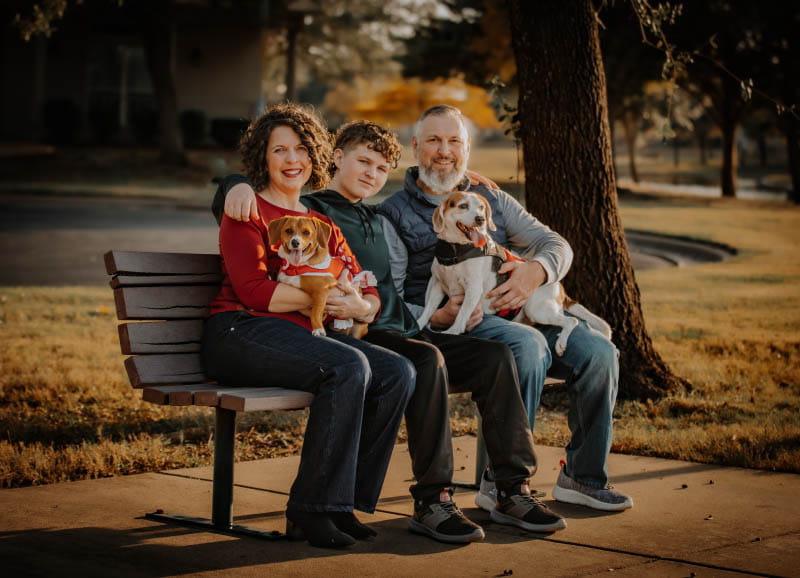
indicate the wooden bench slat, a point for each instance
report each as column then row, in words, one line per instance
column 174, row 368
column 258, row 399
column 149, row 280
column 181, row 336
column 154, row 263
column 180, row 302
column 165, row 395
column 194, row 394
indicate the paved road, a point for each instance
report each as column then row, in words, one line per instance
column 61, row 240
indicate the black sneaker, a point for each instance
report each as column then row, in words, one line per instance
column 517, row 507
column 443, row 521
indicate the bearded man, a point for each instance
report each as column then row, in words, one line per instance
column 590, row 368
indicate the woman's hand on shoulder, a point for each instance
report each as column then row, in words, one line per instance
column 476, row 179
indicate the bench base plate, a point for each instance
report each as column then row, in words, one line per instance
column 208, row 526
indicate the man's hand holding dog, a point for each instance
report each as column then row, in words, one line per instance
column 444, row 317
column 526, row 277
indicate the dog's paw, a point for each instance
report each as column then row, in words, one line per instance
column 319, row 333
column 560, row 348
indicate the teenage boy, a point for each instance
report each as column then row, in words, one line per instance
column 363, row 157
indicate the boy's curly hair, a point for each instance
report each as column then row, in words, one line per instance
column 308, row 126
column 375, row 136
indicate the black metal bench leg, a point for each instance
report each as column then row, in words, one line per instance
column 481, row 456
column 222, row 497
column 481, row 461
column 224, row 438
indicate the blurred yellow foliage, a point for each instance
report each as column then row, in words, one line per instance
column 400, row 102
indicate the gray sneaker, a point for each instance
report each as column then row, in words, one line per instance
column 443, row 521
column 486, row 498
column 517, row 507
column 574, row 492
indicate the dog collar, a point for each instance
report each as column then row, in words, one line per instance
column 453, row 253
column 329, row 267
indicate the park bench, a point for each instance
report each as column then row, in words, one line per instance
column 163, row 298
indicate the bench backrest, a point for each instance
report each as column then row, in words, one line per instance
column 167, row 294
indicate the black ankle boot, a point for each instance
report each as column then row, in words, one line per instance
column 348, row 523
column 317, row 528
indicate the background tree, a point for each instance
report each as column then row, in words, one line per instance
column 775, row 37
column 151, row 20
column 570, row 182
column 629, row 66
column 719, row 75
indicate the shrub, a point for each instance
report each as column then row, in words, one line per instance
column 193, row 127
column 104, row 116
column 226, row 132
column 62, row 120
column 144, row 121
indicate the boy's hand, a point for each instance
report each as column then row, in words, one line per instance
column 241, row 204
column 479, row 179
column 444, row 317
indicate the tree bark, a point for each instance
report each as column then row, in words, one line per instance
column 570, row 182
column 158, row 34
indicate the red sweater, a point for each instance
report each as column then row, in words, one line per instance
column 250, row 266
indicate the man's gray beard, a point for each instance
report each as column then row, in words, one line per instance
column 441, row 183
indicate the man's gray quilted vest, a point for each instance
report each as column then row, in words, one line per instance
column 411, row 214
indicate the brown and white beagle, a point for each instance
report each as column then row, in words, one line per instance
column 466, row 261
column 302, row 243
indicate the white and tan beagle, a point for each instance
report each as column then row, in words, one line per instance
column 466, row 263
column 302, row 243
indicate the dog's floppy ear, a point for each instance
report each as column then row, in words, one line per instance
column 489, row 222
column 323, row 233
column 438, row 218
column 274, row 229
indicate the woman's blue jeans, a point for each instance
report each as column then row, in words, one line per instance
column 360, row 392
column 590, row 368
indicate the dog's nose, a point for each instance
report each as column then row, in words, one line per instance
column 295, row 243
column 479, row 220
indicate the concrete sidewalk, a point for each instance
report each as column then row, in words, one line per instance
column 689, row 520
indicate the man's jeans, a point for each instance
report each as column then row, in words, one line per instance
column 590, row 368
column 360, row 391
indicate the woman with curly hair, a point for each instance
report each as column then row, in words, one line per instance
column 258, row 334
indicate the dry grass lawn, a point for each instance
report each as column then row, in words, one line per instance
column 732, row 329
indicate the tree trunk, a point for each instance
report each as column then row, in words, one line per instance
column 676, row 154
column 729, row 159
column 763, row 149
column 792, row 128
column 630, row 123
column 158, row 33
column 730, row 114
column 570, row 183
column 702, row 145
